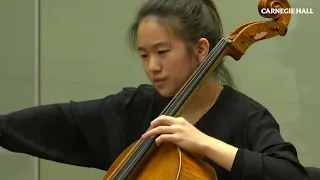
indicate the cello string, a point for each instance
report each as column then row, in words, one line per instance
column 194, row 75
column 174, row 103
column 194, row 82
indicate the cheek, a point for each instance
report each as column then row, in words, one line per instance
column 185, row 65
column 181, row 69
column 144, row 65
column 145, row 69
column 179, row 65
column 178, row 61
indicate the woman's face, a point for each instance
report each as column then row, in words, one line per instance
column 165, row 59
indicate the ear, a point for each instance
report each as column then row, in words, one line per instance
column 202, row 49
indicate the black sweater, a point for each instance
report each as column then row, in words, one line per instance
column 93, row 133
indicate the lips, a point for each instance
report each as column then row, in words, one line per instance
column 158, row 81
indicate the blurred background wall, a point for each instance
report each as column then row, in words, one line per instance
column 56, row 51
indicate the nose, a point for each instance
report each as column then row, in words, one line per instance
column 154, row 64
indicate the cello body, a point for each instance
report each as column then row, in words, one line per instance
column 143, row 159
column 168, row 162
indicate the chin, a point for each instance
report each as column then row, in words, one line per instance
column 165, row 92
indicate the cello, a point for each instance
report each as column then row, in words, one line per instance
column 143, row 159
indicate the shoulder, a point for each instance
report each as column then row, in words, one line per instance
column 250, row 118
column 255, row 117
column 241, row 100
column 139, row 94
column 127, row 96
column 130, row 96
column 249, row 109
column 143, row 90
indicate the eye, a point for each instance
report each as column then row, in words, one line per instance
column 162, row 52
column 143, row 56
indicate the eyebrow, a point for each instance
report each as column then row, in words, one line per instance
column 162, row 43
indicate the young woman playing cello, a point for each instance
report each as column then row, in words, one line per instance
column 238, row 136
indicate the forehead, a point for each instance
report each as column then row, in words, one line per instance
column 152, row 33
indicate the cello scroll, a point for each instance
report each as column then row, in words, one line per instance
column 247, row 34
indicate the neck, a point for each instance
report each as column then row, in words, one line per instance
column 209, row 88
column 198, row 103
column 203, row 98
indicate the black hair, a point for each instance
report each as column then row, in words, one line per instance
column 191, row 20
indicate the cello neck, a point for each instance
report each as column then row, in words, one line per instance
column 147, row 146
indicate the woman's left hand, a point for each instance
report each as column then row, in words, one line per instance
column 178, row 131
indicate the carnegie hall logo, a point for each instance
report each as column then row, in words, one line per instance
column 287, row 11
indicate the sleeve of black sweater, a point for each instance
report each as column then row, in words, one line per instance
column 269, row 156
column 77, row 133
